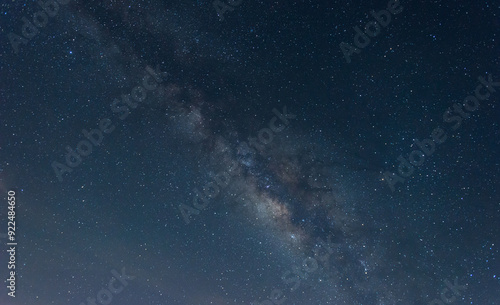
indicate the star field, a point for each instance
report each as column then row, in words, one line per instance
column 243, row 152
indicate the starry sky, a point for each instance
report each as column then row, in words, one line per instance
column 201, row 152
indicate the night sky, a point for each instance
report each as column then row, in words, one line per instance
column 200, row 152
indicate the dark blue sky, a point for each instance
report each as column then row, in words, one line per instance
column 237, row 161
